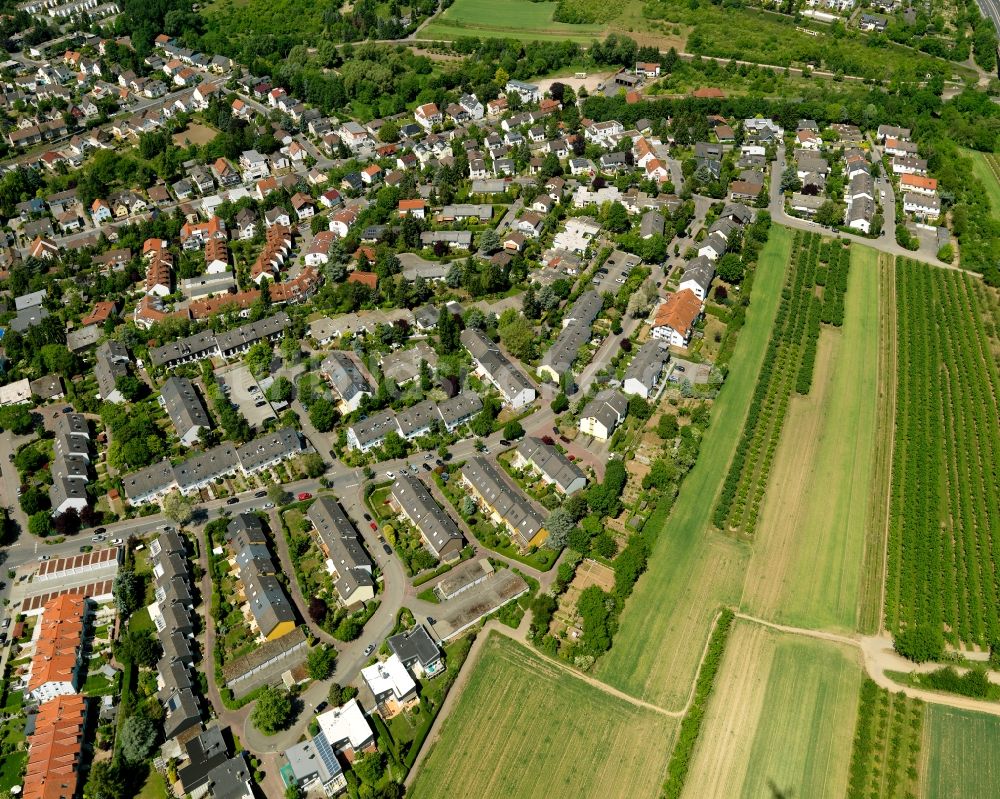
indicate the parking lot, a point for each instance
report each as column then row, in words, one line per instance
column 243, row 389
column 681, row 370
column 612, row 274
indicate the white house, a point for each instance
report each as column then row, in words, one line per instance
column 675, row 319
column 603, row 414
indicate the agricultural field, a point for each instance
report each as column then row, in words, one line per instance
column 509, row 19
column 524, row 727
column 806, row 565
column 693, row 570
column 887, row 742
column 780, row 721
column 788, row 368
column 961, row 754
column 944, row 525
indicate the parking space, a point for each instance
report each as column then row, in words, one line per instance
column 243, row 389
column 613, row 272
column 681, row 370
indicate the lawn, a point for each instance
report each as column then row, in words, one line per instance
column 510, row 19
column 781, row 719
column 986, row 167
column 961, row 754
column 140, row 620
column 691, row 570
column 155, row 787
column 525, row 728
column 806, row 566
column 11, row 769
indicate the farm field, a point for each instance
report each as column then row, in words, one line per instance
column 887, row 742
column 509, row 19
column 944, row 526
column 525, row 728
column 961, row 754
column 806, row 566
column 780, row 721
column 692, row 571
column 788, row 367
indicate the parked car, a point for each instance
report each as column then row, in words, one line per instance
column 259, row 404
column 390, row 475
column 564, row 439
column 232, row 500
column 678, row 367
column 100, row 531
column 268, row 505
column 42, row 558
column 548, row 440
column 368, row 517
column 10, row 457
column 303, row 495
column 426, row 467
column 321, row 707
column 117, row 541
column 373, row 525
column 260, row 494
column 413, row 468
column 504, row 442
column 369, row 649
column 97, row 538
column 167, row 528
column 387, row 549
column 428, row 456
column 68, row 409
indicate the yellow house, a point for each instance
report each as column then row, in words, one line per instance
column 504, row 502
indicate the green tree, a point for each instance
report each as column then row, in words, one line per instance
column 178, row 508
column 448, row 332
column 273, row 711
column 341, row 694
column 313, row 464
column 666, row 427
column 560, row 403
column 513, row 430
column 258, row 358
column 394, row 446
column 639, row 407
column 40, row 524
column 616, row 218
column 730, row 268
column 322, row 414
column 369, row 768
column 320, row 662
column 281, row 390
column 277, row 494
column 920, row 643
column 560, row 524
column 139, row 647
column 16, row 418
column 131, row 387
column 105, row 781
column 138, row 735
column 125, row 590
column 489, row 242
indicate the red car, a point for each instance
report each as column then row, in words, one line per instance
column 304, row 495
column 373, row 526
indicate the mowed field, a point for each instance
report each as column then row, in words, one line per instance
column 986, row 167
column 806, row 566
column 961, row 754
column 691, row 570
column 508, row 19
column 525, row 728
column 780, row 721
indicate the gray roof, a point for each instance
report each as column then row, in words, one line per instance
column 417, row 419
column 575, row 333
column 313, row 757
column 182, row 711
column 435, row 525
column 216, row 462
column 266, row 597
column 28, row 317
column 503, row 374
column 269, row 448
column 199, row 345
column 608, row 407
column 112, row 363
column 550, row 462
column 83, row 338
column 32, row 300
column 340, row 539
column 701, row 270
column 460, row 408
column 184, row 406
column 374, row 428
column 252, row 332
column 205, row 752
column 415, row 646
column 648, row 363
column 652, row 224
column 503, row 498
column 245, row 528
column 345, row 376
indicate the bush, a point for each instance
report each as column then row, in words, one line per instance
column 920, row 643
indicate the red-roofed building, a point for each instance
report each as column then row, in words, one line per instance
column 415, row 208
column 103, row 311
column 55, row 664
column 676, row 318
column 55, row 749
column 369, row 279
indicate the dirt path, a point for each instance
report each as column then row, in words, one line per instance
column 887, row 367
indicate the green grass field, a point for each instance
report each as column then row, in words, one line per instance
column 508, row 19
column 986, row 167
column 961, row 754
column 806, row 566
column 692, row 570
column 525, row 728
column 781, row 719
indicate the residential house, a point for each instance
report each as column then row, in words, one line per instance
column 550, row 464
column 503, row 502
column 675, row 319
column 646, row 368
column 603, row 414
column 438, row 531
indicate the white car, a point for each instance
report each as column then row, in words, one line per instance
column 117, row 542
column 42, row 558
column 389, row 475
